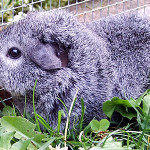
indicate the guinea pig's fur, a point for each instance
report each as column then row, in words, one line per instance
column 128, row 43
column 64, row 56
column 102, row 59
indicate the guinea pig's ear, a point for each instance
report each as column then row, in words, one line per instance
column 49, row 56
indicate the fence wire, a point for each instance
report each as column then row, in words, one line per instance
column 85, row 10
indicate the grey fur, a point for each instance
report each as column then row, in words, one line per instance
column 97, row 67
column 128, row 42
column 87, row 69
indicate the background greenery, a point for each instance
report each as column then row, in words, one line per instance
column 14, row 7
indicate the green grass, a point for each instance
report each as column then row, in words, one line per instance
column 18, row 132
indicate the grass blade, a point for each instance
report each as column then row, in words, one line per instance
column 68, row 118
column 47, row 144
column 60, row 113
column 63, row 105
column 82, row 114
column 35, row 114
column 143, row 132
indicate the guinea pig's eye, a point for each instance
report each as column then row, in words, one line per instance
column 14, row 53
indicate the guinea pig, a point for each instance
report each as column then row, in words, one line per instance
column 64, row 56
column 100, row 60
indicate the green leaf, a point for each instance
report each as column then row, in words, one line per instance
column 128, row 113
column 95, row 125
column 2, row 130
column 23, row 128
column 5, row 139
column 47, row 144
column 8, row 111
column 102, row 125
column 119, row 105
column 32, row 147
column 108, row 108
column 22, row 145
column 146, row 103
column 140, row 99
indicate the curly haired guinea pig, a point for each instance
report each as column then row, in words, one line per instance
column 63, row 55
column 102, row 59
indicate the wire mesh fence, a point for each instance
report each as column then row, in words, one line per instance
column 86, row 10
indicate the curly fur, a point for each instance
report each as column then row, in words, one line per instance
column 87, row 70
column 105, row 58
column 128, row 42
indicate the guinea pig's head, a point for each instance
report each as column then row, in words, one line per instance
column 35, row 47
column 43, row 46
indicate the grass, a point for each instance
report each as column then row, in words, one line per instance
column 17, row 132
